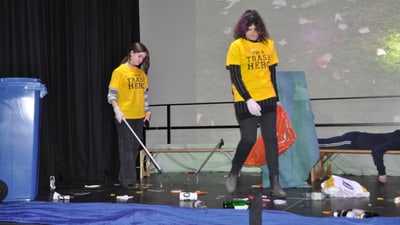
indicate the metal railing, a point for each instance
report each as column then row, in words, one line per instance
column 169, row 127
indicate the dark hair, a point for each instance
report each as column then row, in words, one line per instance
column 250, row 17
column 139, row 47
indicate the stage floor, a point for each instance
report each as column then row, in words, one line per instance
column 163, row 190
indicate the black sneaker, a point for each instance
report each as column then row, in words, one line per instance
column 131, row 186
column 278, row 194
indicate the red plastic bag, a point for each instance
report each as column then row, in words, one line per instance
column 286, row 137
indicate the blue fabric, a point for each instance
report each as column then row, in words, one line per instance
column 130, row 213
column 295, row 164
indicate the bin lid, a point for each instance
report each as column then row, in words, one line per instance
column 25, row 83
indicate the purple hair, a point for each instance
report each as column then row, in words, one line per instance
column 250, row 17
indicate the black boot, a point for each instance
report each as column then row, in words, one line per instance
column 230, row 182
column 275, row 188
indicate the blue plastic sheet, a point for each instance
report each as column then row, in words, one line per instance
column 130, row 213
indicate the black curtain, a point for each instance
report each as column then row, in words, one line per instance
column 72, row 46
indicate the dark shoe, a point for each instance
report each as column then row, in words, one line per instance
column 230, row 182
column 382, row 179
column 275, row 188
column 131, row 186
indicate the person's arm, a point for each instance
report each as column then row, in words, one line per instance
column 272, row 70
column 112, row 99
column 146, row 108
column 236, row 79
column 112, row 95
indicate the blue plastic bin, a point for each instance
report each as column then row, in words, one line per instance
column 19, row 137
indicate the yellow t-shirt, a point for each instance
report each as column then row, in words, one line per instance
column 131, row 84
column 254, row 59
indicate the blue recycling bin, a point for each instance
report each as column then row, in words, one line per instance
column 19, row 137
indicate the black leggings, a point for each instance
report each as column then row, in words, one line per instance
column 248, row 133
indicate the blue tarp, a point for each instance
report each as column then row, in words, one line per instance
column 131, row 213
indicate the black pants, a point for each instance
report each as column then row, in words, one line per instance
column 378, row 143
column 248, row 137
column 129, row 149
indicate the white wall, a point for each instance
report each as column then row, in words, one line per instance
column 167, row 29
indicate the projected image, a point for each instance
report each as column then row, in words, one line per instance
column 345, row 47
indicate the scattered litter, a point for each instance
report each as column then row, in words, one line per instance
column 397, row 200
column 317, row 196
column 338, row 17
column 124, row 197
column 324, row 60
column 380, row 199
column 155, row 190
column 58, row 196
column 338, row 74
column 314, row 196
column 279, row 4
column 310, row 3
column 227, row 30
column 81, row 193
column 282, row 42
column 185, row 196
column 304, row 21
column 201, row 192
column 363, row 30
column 265, row 198
column 337, row 186
column 231, row 3
column 326, row 212
column 279, row 202
column 92, row 186
column 220, row 197
column 380, row 52
column 257, row 186
column 176, row 191
column 342, row 26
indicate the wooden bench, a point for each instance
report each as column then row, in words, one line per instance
column 323, row 167
column 145, row 165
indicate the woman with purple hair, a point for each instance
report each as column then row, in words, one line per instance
column 251, row 61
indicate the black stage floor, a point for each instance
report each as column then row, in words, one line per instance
column 381, row 198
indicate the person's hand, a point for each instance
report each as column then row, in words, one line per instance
column 147, row 119
column 253, row 107
column 147, row 116
column 118, row 114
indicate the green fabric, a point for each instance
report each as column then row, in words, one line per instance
column 295, row 164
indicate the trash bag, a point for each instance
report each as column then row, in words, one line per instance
column 286, row 137
column 339, row 187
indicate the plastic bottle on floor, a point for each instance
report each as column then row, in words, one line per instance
column 237, row 204
column 199, row 204
column 354, row 213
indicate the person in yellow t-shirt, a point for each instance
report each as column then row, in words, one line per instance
column 251, row 61
column 127, row 93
